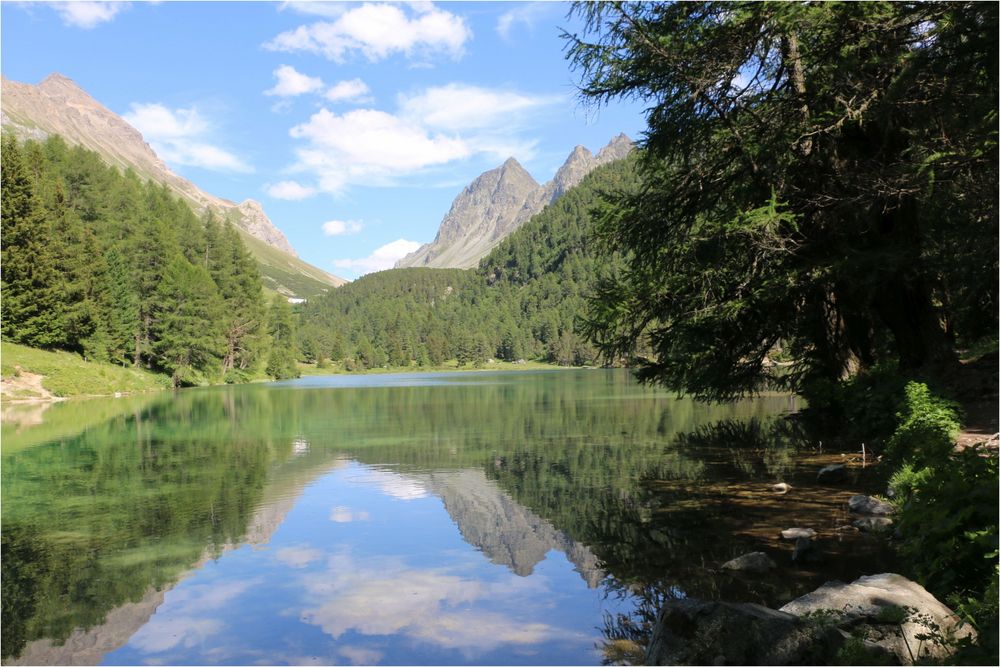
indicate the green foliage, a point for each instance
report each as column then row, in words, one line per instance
column 100, row 263
column 817, row 177
column 863, row 408
column 281, row 327
column 187, row 323
column 927, row 429
column 948, row 523
column 521, row 303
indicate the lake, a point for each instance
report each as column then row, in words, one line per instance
column 447, row 518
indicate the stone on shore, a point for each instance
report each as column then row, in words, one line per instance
column 755, row 561
column 796, row 533
column 860, row 504
column 695, row 632
column 873, row 524
column 871, row 607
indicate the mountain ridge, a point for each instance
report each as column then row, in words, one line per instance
column 57, row 105
column 485, row 213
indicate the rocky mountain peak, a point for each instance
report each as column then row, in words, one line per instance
column 617, row 149
column 58, row 105
column 501, row 200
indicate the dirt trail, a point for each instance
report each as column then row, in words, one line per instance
column 25, row 387
column 977, row 389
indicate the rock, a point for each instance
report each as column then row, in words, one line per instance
column 498, row 202
column 832, row 473
column 781, row 488
column 873, row 524
column 867, row 505
column 756, row 561
column 695, row 632
column 806, row 551
column 870, row 608
column 796, row 533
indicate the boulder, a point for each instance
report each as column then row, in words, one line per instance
column 873, row 524
column 806, row 551
column 887, row 611
column 832, row 473
column 796, row 533
column 695, row 632
column 867, row 505
column 755, row 561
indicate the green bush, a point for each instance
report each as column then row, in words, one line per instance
column 861, row 409
column 927, row 428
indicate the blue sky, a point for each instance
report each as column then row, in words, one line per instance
column 355, row 124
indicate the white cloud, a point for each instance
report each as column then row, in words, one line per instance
column 327, row 9
column 384, row 597
column 368, row 146
column 290, row 190
column 430, row 128
column 459, row 106
column 165, row 634
column 341, row 227
column 176, row 136
column 292, row 82
column 378, row 31
column 87, row 15
column 526, row 14
column 360, row 656
column 298, row 557
column 351, row 90
column 385, row 257
column 341, row 514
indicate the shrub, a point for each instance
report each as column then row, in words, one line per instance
column 927, row 428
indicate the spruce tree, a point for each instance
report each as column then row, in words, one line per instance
column 186, row 327
column 32, row 309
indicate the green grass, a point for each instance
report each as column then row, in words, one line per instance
column 280, row 272
column 66, row 374
column 337, row 368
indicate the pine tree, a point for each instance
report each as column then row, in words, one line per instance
column 32, row 310
column 186, row 327
column 281, row 326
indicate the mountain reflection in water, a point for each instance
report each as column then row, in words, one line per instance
column 312, row 524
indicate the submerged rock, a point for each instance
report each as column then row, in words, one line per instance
column 796, row 533
column 694, row 632
column 867, row 505
column 755, row 561
column 832, row 473
column 887, row 611
column 873, row 524
column 806, row 551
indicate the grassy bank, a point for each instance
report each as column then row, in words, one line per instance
column 65, row 375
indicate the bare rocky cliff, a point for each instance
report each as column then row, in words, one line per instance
column 501, row 200
column 506, row 532
column 58, row 106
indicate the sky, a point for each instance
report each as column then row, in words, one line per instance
column 354, row 124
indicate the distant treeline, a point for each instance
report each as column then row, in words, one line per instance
column 520, row 303
column 118, row 269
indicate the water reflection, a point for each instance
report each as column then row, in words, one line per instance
column 496, row 518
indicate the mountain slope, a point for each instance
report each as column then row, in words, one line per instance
column 522, row 302
column 501, row 200
column 58, row 106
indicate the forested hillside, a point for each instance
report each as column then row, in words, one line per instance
column 521, row 303
column 117, row 269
